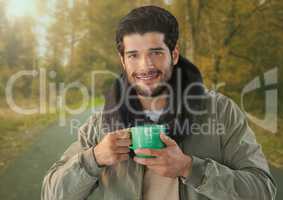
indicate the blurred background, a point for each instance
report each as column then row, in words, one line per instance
column 237, row 45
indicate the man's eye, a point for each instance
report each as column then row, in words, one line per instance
column 158, row 53
column 132, row 56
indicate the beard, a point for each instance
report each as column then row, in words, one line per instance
column 159, row 89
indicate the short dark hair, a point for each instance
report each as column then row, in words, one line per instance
column 148, row 19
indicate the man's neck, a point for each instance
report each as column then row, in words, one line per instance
column 154, row 103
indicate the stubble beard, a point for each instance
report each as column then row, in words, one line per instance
column 161, row 88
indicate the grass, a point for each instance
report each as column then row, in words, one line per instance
column 95, row 102
column 19, row 131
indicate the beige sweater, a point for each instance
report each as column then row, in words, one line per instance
column 154, row 185
column 159, row 187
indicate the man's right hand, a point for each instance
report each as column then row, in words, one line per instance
column 113, row 148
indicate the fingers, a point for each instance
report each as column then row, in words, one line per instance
column 122, row 138
column 114, row 147
column 121, row 134
column 123, row 157
column 149, row 161
column 123, row 142
column 150, row 152
column 122, row 150
column 167, row 140
column 156, row 168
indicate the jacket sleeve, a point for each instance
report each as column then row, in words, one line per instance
column 244, row 173
column 76, row 174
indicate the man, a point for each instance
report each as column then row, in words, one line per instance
column 210, row 153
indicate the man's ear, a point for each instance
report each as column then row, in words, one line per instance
column 175, row 54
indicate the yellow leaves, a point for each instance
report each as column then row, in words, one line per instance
column 223, row 52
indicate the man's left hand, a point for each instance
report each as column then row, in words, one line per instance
column 170, row 161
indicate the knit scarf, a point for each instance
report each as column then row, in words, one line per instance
column 123, row 109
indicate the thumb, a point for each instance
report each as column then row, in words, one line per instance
column 167, row 140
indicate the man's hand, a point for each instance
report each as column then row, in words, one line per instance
column 113, row 148
column 170, row 161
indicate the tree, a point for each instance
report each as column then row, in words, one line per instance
column 3, row 30
column 57, row 32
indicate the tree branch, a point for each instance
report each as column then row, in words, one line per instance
column 237, row 29
column 246, row 58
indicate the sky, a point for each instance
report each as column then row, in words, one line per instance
column 38, row 9
column 19, row 8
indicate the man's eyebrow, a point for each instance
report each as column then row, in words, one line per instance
column 151, row 49
column 130, row 52
column 157, row 49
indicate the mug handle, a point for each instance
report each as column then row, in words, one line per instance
column 131, row 146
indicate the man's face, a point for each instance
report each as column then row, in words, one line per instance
column 147, row 62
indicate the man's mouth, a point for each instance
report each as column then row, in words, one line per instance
column 148, row 76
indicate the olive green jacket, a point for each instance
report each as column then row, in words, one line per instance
column 228, row 163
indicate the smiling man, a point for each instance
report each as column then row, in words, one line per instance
column 148, row 62
column 210, row 151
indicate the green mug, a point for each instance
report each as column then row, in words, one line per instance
column 147, row 136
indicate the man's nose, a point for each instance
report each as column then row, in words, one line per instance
column 146, row 61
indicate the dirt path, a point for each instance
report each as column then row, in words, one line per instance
column 22, row 180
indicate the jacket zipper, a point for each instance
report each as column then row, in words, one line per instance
column 180, row 183
column 140, row 196
column 181, row 189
